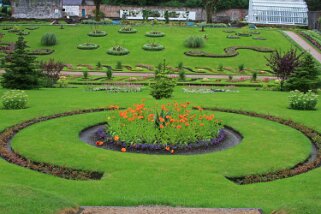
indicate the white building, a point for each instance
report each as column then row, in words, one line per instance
column 278, row 12
column 71, row 7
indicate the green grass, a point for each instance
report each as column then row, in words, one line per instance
column 70, row 37
column 136, row 179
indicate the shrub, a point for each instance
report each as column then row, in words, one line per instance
column 98, row 65
column 85, row 74
column 163, row 86
column 254, row 76
column 62, row 82
column 230, row 77
column 51, row 72
column 109, row 73
column 119, row 65
column 220, row 67
column 153, row 47
column 14, row 99
column 49, row 39
column 241, row 67
column 194, row 42
column 303, row 101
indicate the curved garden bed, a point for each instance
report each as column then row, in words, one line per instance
column 97, row 34
column 311, row 163
column 128, row 30
column 88, row 46
column 153, row 47
column 9, row 155
column 42, row 51
column 229, row 52
column 155, row 34
column 118, row 51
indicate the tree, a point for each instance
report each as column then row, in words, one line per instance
column 21, row 72
column 306, row 77
column 51, row 72
column 164, row 85
column 209, row 6
column 283, row 64
column 97, row 10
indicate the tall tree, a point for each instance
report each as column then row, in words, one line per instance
column 209, row 6
column 283, row 64
column 306, row 76
column 21, row 72
column 97, row 11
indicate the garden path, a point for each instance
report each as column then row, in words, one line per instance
column 305, row 45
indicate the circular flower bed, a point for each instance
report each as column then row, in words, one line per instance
column 233, row 37
column 127, row 29
column 153, row 47
column 23, row 33
column 97, row 34
column 155, row 34
column 88, row 46
column 169, row 128
column 118, row 51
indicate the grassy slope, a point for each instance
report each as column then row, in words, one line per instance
column 132, row 179
column 71, row 36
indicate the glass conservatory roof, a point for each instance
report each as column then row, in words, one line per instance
column 280, row 3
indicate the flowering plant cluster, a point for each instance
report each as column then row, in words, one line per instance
column 168, row 127
column 15, row 99
column 303, row 101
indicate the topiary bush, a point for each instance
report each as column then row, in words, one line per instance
column 49, row 39
column 14, row 99
column 88, row 46
column 303, row 101
column 194, row 42
column 118, row 50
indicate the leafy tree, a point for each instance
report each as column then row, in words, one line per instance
column 164, row 85
column 21, row 72
column 306, row 77
column 283, row 64
column 109, row 73
column 97, row 10
column 209, row 6
column 51, row 72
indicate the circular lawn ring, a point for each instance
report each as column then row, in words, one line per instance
column 88, row 46
column 97, row 34
column 155, row 34
column 127, row 31
column 121, row 52
column 153, row 47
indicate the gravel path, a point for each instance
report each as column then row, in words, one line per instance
column 305, row 45
column 164, row 210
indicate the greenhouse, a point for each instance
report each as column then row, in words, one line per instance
column 281, row 12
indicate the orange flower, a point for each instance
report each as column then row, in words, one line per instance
column 162, row 120
column 99, row 143
column 178, row 127
column 123, row 150
column 202, row 124
column 161, row 126
column 172, row 120
column 141, row 117
column 186, row 124
column 167, row 148
column 116, row 138
column 168, row 117
column 172, row 151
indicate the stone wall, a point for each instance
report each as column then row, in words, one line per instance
column 114, row 11
column 35, row 9
column 314, row 17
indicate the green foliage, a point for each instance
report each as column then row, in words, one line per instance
column 62, row 82
column 241, row 67
column 21, row 72
column 98, row 65
column 306, row 77
column 109, row 73
column 166, row 15
column 181, row 72
column 164, row 85
column 49, row 39
column 85, row 74
column 254, row 76
column 220, row 67
column 14, row 99
column 230, row 77
column 194, row 42
column 119, row 65
column 303, row 101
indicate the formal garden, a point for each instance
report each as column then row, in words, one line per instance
column 151, row 114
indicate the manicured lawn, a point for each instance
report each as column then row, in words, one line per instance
column 177, row 180
column 70, row 37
